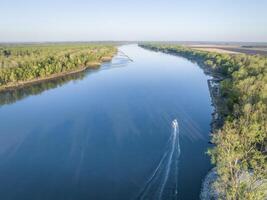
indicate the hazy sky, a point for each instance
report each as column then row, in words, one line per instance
column 78, row 20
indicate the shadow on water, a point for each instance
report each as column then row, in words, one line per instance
column 13, row 95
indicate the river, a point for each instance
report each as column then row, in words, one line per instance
column 130, row 130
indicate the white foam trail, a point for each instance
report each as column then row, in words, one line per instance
column 155, row 173
column 146, row 188
column 175, row 142
column 161, row 174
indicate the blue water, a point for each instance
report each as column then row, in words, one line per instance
column 107, row 133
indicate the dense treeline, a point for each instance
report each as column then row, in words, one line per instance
column 241, row 143
column 24, row 63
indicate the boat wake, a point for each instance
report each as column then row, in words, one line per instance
column 162, row 184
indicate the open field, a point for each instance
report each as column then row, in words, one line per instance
column 232, row 49
column 217, row 50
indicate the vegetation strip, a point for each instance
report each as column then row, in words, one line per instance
column 26, row 64
column 241, row 141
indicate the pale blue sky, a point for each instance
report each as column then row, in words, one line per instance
column 180, row 20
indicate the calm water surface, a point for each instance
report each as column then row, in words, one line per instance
column 108, row 134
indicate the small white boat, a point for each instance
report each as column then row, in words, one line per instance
column 175, row 123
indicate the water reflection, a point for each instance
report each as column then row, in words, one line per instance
column 13, row 95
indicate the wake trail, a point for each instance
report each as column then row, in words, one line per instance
column 155, row 186
column 154, row 174
column 143, row 192
column 174, row 142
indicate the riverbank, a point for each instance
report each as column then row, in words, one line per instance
column 14, row 86
column 117, row 116
column 208, row 191
column 30, row 65
column 213, row 84
column 238, row 126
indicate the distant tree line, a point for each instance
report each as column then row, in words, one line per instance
column 28, row 62
column 240, row 153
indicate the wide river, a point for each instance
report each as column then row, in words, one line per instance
column 109, row 133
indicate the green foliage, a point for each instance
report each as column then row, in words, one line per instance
column 241, row 144
column 28, row 62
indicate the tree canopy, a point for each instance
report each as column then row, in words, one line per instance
column 22, row 63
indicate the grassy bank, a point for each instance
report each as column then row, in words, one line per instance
column 26, row 64
column 241, row 141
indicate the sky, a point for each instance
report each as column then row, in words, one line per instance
column 163, row 20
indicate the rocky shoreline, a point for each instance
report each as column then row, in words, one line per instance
column 208, row 191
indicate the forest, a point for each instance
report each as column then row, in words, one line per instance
column 240, row 151
column 30, row 62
